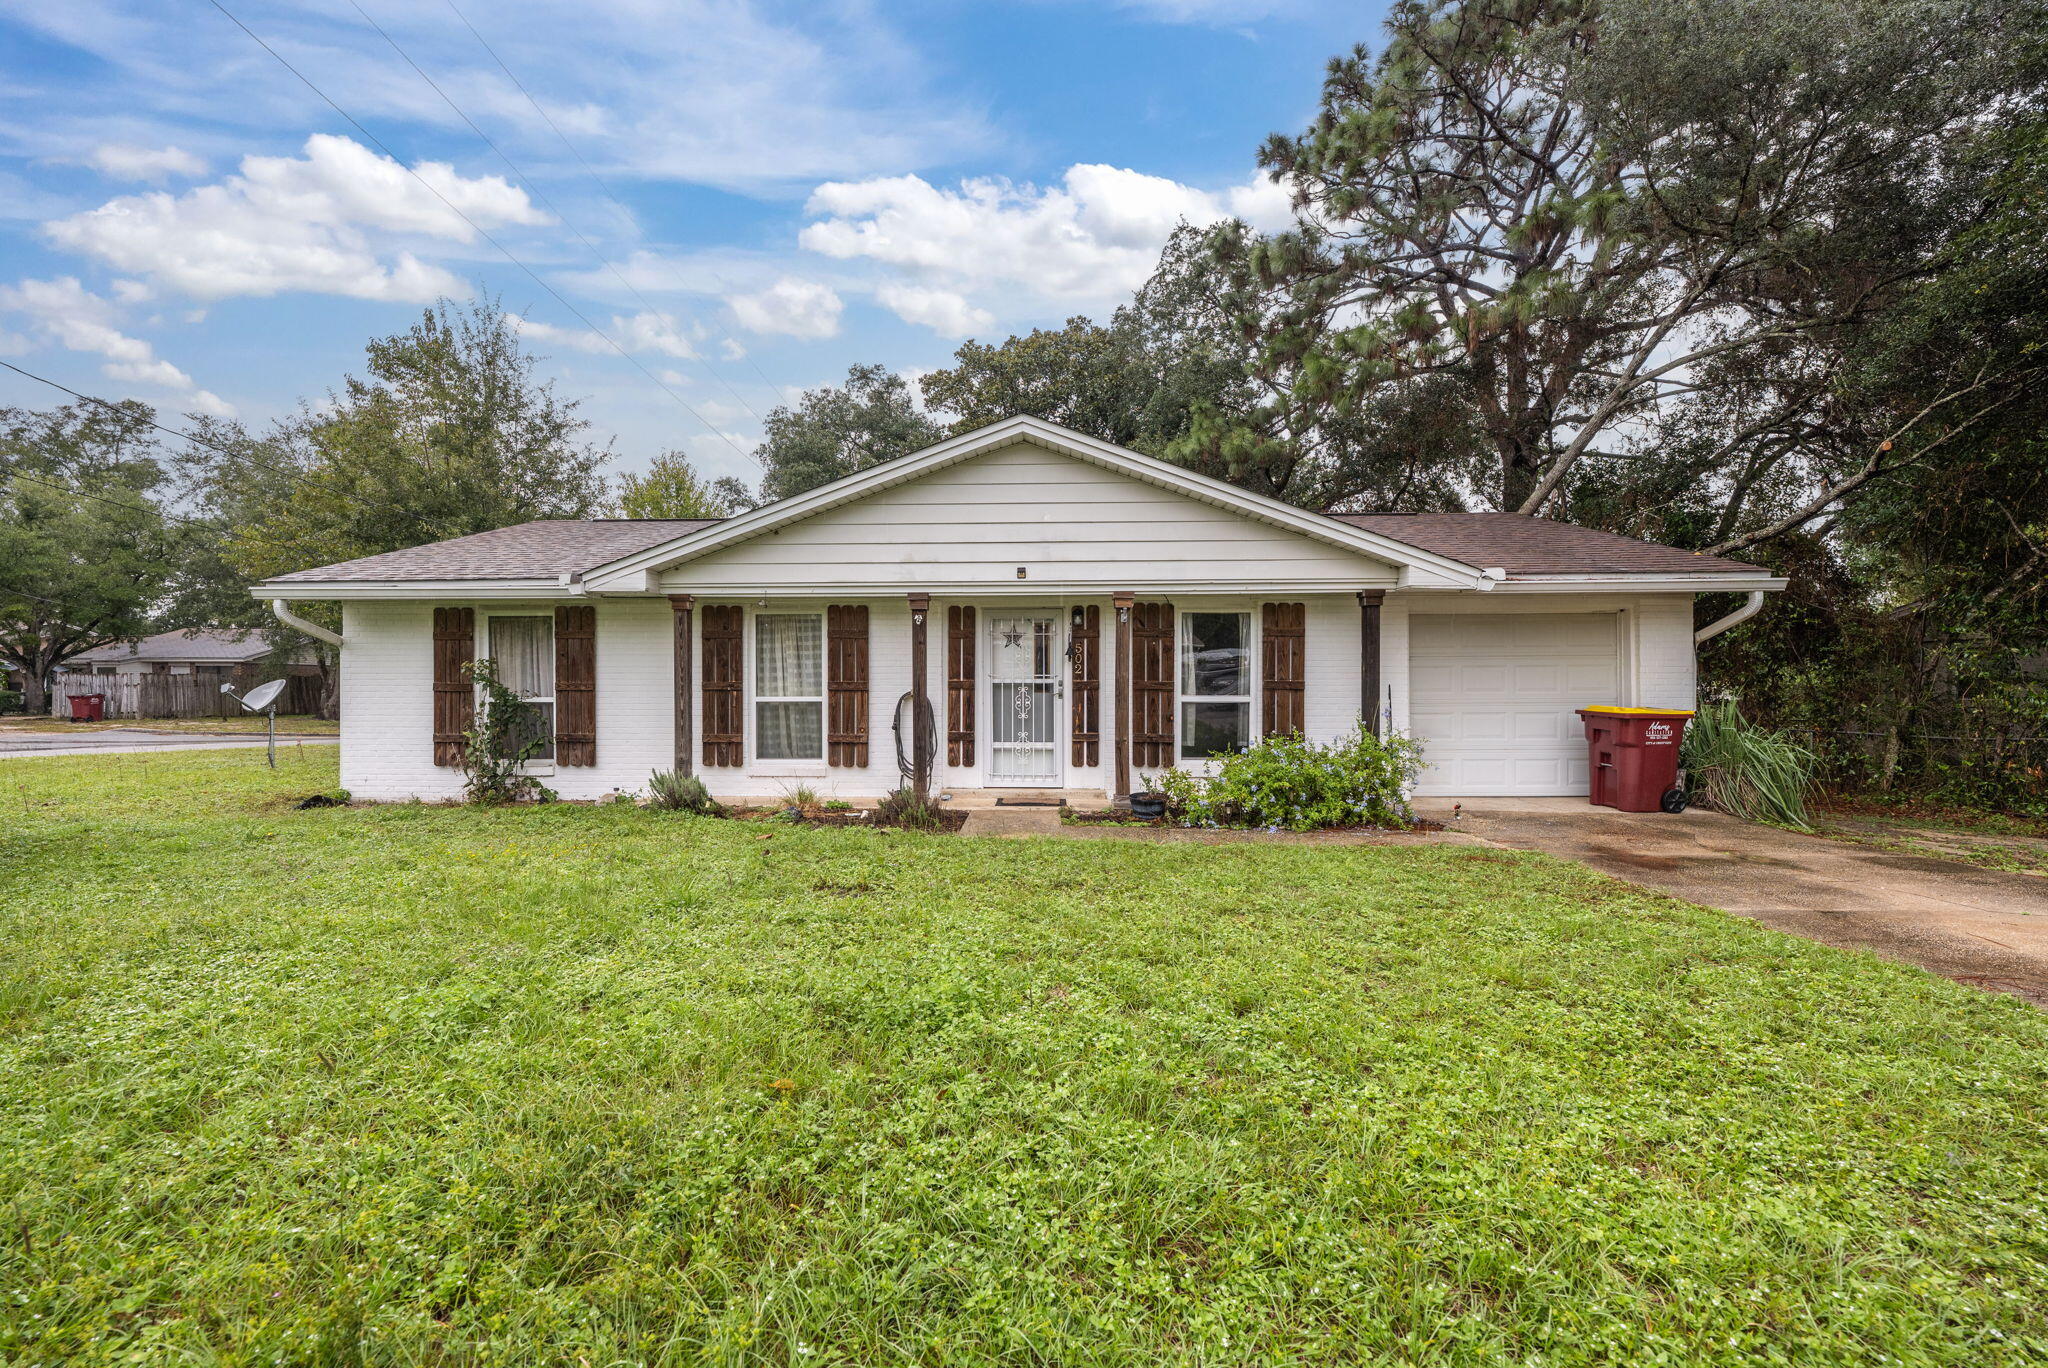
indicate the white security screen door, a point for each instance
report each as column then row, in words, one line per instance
column 1024, row 701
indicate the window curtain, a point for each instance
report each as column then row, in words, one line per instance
column 789, row 663
column 523, row 649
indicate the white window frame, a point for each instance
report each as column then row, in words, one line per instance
column 539, row 766
column 800, row 767
column 1183, row 642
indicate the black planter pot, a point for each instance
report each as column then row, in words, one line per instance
column 1148, row 806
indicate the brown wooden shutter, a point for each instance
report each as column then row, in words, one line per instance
column 1152, row 670
column 1087, row 720
column 846, row 685
column 576, row 685
column 454, row 691
column 960, row 642
column 1284, row 634
column 725, row 706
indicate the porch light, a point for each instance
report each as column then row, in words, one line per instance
column 1020, row 572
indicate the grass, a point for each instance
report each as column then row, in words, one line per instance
column 295, row 725
column 596, row 1085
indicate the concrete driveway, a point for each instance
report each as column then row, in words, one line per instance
column 128, row 740
column 1977, row 926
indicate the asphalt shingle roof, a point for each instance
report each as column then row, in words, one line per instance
column 1522, row 545
column 536, row 550
column 553, row 547
column 207, row 644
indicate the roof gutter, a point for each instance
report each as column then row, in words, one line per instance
column 1734, row 619
column 299, row 624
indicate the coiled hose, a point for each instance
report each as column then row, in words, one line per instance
column 915, row 734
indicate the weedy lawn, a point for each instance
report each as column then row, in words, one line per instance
column 418, row 1085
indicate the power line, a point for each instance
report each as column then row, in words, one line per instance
column 526, row 183
column 175, row 432
column 193, row 438
column 503, row 251
column 603, row 188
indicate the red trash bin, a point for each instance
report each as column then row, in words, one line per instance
column 88, row 707
column 1632, row 754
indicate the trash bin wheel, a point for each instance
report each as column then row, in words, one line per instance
column 1674, row 800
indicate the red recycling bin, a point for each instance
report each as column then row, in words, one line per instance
column 1633, row 757
column 88, row 707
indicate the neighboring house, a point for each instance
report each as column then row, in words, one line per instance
column 1078, row 616
column 206, row 650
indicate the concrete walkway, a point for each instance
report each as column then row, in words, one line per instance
column 132, row 740
column 1978, row 926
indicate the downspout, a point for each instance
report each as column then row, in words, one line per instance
column 311, row 629
column 1734, row 619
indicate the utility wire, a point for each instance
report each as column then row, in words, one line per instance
column 193, row 438
column 175, row 432
column 504, row 251
column 605, row 189
column 527, row 184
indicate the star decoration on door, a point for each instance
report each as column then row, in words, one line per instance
column 1013, row 639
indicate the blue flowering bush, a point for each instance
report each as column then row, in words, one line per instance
column 1290, row 781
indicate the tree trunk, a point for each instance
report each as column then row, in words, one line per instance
column 1521, row 465
column 330, row 684
column 35, row 696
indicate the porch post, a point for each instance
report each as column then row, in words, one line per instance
column 1121, row 744
column 1369, row 601
column 921, row 706
column 686, row 750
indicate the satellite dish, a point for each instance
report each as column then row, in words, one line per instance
column 263, row 695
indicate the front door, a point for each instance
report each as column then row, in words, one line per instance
column 1024, row 700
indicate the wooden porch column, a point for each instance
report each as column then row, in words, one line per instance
column 921, row 704
column 1121, row 745
column 1369, row 691
column 686, row 678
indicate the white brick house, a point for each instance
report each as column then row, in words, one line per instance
column 1084, row 616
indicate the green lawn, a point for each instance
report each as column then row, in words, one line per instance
column 595, row 1086
column 295, row 724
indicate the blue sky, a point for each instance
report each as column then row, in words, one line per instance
column 744, row 197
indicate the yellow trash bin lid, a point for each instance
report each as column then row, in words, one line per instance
column 1639, row 712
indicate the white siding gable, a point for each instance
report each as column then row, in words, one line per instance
column 1068, row 522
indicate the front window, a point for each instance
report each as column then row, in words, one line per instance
column 789, row 685
column 1215, row 683
column 523, row 650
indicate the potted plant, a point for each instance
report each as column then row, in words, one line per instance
column 1148, row 805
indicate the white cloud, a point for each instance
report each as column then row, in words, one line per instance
column 944, row 312
column 740, row 94
column 65, row 313
column 640, row 332
column 299, row 223
column 124, row 161
column 799, row 308
column 1090, row 240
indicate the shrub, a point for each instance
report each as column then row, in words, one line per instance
column 1745, row 770
column 506, row 734
column 10, row 701
column 1293, row 782
column 675, row 792
column 905, row 808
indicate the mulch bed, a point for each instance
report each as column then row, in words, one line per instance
column 949, row 822
column 1124, row 819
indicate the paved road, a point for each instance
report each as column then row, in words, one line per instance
column 1978, row 926
column 130, row 740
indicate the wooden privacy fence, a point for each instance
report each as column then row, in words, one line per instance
column 187, row 695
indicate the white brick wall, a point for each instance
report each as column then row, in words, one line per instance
column 387, row 686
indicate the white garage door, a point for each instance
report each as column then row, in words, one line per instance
column 1492, row 698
